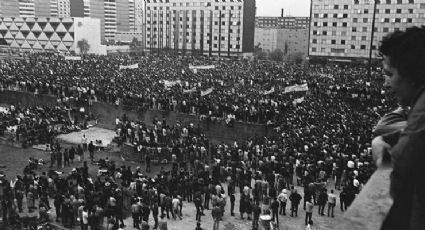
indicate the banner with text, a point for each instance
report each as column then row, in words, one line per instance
column 192, row 90
column 296, row 88
column 206, row 92
column 72, row 58
column 192, row 67
column 269, row 91
column 135, row 66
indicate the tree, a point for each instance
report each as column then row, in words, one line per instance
column 276, row 55
column 84, row 46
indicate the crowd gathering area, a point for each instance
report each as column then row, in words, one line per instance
column 321, row 116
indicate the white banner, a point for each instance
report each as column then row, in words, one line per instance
column 169, row 84
column 269, row 91
column 296, row 88
column 201, row 67
column 327, row 75
column 298, row 100
column 73, row 58
column 135, row 66
column 206, row 92
column 189, row 90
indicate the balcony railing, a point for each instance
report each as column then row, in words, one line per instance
column 372, row 204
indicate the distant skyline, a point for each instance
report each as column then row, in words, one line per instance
column 300, row 8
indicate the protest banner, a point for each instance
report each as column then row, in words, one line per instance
column 73, row 58
column 192, row 67
column 206, row 92
column 296, row 88
column 189, row 90
column 135, row 66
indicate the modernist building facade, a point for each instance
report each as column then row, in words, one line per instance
column 282, row 22
column 207, row 27
column 34, row 8
column 290, row 40
column 115, row 15
column 343, row 28
column 43, row 34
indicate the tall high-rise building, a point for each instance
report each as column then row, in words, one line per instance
column 115, row 15
column 209, row 27
column 343, row 28
column 35, row 8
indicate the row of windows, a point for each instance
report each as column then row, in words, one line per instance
column 216, row 7
column 187, row 3
column 341, row 50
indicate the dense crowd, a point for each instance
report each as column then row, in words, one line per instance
column 323, row 137
column 34, row 125
column 240, row 89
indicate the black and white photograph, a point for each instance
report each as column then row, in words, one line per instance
column 212, row 114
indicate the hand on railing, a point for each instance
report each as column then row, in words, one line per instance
column 380, row 152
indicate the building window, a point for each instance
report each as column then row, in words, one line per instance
column 388, row 1
column 354, row 29
column 345, row 7
column 344, row 24
column 363, row 47
column 345, row 15
column 342, row 42
column 399, row 1
column 334, row 24
column 333, row 42
column 355, row 19
column 336, row 7
column 325, row 33
column 314, row 41
column 365, row 20
column 325, row 24
column 314, row 49
column 411, row 1
column 409, row 20
column 325, row 15
column 335, row 15
column 353, row 38
column 363, row 38
column 397, row 20
column 398, row 11
column 316, row 15
column 353, row 47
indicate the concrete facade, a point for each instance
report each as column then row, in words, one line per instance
column 222, row 28
column 343, row 28
column 115, row 15
column 35, row 8
column 282, row 22
column 59, row 34
column 290, row 41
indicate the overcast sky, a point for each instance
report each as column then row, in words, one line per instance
column 291, row 7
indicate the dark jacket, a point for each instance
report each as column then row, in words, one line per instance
column 407, row 183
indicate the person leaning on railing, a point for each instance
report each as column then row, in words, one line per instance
column 404, row 64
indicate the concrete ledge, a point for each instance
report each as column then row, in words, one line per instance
column 371, row 206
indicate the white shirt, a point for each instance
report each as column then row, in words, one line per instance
column 85, row 217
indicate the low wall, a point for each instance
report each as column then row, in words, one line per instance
column 215, row 131
column 371, row 206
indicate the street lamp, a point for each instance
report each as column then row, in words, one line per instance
column 375, row 2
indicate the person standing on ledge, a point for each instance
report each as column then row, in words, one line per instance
column 404, row 65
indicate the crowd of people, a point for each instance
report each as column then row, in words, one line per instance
column 240, row 90
column 33, row 125
column 321, row 134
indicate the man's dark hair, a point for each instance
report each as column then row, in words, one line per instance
column 406, row 52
